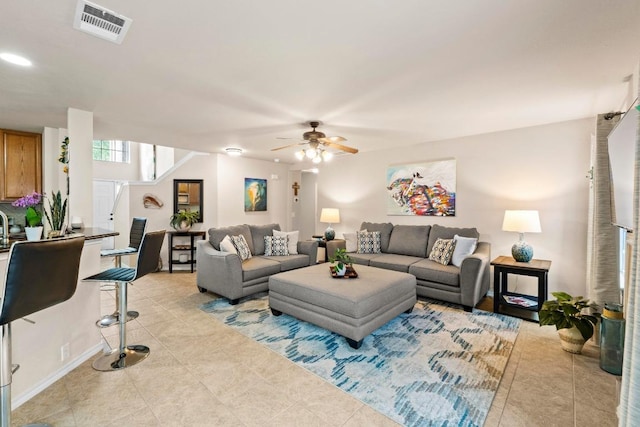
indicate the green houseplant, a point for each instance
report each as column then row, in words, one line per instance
column 567, row 314
column 184, row 219
column 56, row 214
column 341, row 259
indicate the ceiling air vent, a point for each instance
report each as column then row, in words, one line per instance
column 100, row 22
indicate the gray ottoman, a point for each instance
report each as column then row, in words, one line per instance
column 352, row 308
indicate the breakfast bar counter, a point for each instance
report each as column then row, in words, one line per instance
column 63, row 336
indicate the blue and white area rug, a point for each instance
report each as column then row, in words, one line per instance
column 435, row 366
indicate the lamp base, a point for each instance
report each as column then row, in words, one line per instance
column 522, row 251
column 329, row 234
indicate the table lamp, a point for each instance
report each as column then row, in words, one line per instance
column 330, row 216
column 521, row 222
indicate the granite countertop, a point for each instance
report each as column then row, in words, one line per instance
column 90, row 233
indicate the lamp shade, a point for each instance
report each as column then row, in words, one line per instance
column 330, row 215
column 521, row 221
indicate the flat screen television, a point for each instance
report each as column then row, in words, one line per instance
column 622, row 153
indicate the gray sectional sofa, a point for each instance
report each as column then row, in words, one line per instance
column 226, row 275
column 406, row 248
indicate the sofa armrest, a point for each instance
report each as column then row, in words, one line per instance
column 474, row 275
column 218, row 271
column 309, row 247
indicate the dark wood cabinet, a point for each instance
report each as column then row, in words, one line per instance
column 21, row 165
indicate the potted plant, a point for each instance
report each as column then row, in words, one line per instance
column 566, row 313
column 184, row 219
column 33, row 228
column 342, row 260
column 56, row 214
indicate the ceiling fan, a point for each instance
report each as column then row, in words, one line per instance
column 317, row 141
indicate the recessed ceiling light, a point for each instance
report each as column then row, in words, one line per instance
column 15, row 59
column 233, row 151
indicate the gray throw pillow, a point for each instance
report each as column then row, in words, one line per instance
column 409, row 240
column 258, row 233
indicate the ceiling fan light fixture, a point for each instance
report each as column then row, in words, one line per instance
column 316, row 159
column 311, row 152
column 300, row 154
column 326, row 156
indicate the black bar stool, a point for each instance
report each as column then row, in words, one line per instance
column 136, row 233
column 128, row 355
column 39, row 275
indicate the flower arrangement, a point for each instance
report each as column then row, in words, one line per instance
column 31, row 202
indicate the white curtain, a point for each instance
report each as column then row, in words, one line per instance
column 629, row 409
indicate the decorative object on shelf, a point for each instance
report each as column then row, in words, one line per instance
column 521, row 222
column 56, row 215
column 330, row 216
column 76, row 222
column 31, row 202
column 342, row 261
column 183, row 219
column 424, row 189
column 151, row 201
column 566, row 314
column 33, row 233
column 255, row 195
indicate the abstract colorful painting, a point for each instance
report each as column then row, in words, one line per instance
column 425, row 189
column 255, row 194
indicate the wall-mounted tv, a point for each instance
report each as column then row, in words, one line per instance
column 622, row 154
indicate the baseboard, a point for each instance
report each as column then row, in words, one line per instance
column 46, row 382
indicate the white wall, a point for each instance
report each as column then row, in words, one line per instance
column 540, row 168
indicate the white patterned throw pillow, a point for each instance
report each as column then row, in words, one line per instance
column 276, row 245
column 242, row 248
column 368, row 242
column 293, row 239
column 442, row 251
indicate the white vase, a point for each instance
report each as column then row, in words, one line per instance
column 571, row 340
column 341, row 271
column 33, row 233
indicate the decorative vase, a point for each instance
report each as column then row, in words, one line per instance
column 571, row 340
column 54, row 233
column 341, row 271
column 184, row 226
column 33, row 233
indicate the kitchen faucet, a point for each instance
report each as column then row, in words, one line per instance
column 5, row 228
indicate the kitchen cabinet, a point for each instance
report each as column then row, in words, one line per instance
column 21, row 165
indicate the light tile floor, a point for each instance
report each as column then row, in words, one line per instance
column 203, row 373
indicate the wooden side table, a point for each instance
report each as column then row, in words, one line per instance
column 331, row 246
column 190, row 247
column 502, row 266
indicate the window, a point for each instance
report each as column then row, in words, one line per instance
column 111, row 151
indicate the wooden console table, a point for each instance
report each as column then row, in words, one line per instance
column 504, row 265
column 190, row 247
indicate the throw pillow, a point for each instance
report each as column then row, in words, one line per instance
column 276, row 245
column 442, row 251
column 368, row 242
column 242, row 247
column 227, row 246
column 293, row 239
column 351, row 241
column 464, row 247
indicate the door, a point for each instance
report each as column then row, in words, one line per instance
column 307, row 205
column 104, row 196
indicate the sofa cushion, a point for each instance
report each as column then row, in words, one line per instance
column 385, row 230
column 350, row 241
column 464, row 247
column 409, row 240
column 442, row 251
column 394, row 262
column 217, row 234
column 258, row 267
column 440, row 232
column 290, row 262
column 257, row 234
column 363, row 259
column 293, row 239
column 276, row 246
column 368, row 242
column 432, row 271
column 242, row 247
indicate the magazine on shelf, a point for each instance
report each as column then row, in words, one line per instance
column 524, row 302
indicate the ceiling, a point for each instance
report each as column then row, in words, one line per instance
column 210, row 74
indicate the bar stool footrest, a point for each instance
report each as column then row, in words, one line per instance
column 114, row 361
column 114, row 319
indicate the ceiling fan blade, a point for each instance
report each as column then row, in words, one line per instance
column 286, row 146
column 332, row 139
column 341, row 147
